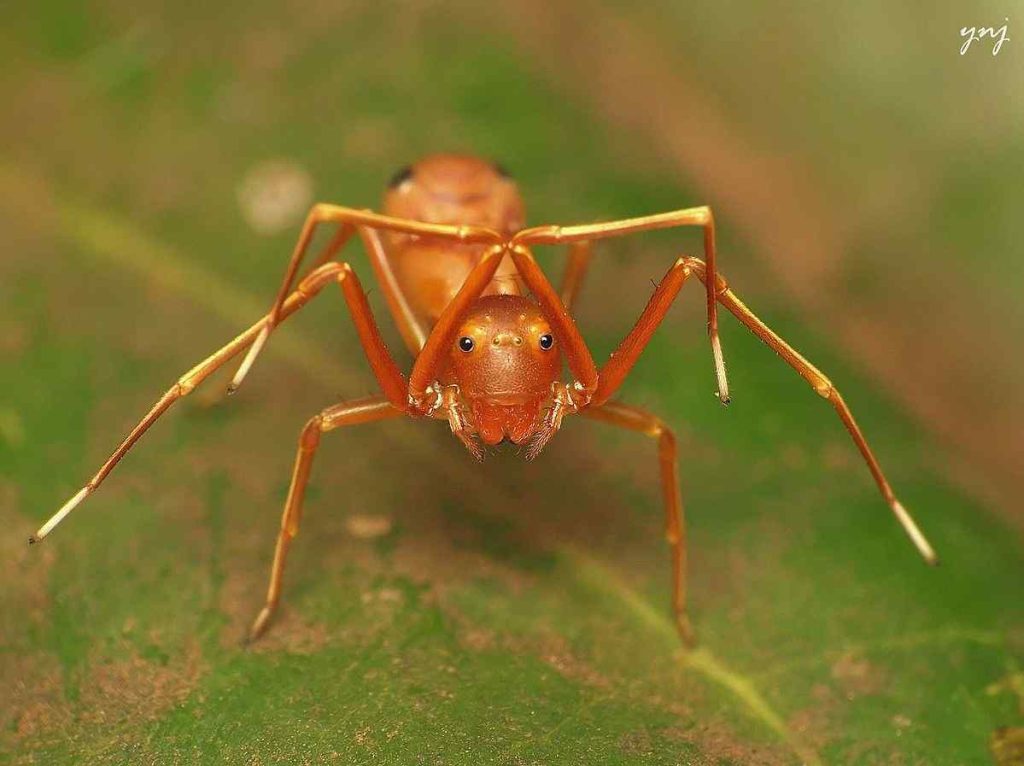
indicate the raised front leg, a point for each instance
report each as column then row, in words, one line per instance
column 577, row 355
column 348, row 220
column 390, row 378
column 625, row 356
column 425, row 397
column 695, row 216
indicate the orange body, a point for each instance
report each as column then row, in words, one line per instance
column 504, row 360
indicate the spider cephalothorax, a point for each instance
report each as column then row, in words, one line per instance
column 501, row 368
column 455, row 267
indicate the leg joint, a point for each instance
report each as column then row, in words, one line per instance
column 186, row 385
column 656, row 429
column 316, row 279
column 321, row 211
column 310, row 436
column 822, row 386
column 697, row 266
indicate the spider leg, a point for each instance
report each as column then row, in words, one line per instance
column 575, row 269
column 348, row 219
column 628, row 351
column 431, row 359
column 636, row 419
column 341, row 237
column 623, row 359
column 338, row 241
column 409, row 325
column 577, row 355
column 827, row 390
column 696, row 216
column 344, row 414
column 390, row 378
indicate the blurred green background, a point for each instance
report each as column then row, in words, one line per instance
column 867, row 181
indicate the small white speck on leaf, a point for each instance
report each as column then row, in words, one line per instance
column 368, row 526
column 275, row 195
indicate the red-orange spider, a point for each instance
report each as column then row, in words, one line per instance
column 488, row 357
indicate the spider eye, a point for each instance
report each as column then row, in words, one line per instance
column 400, row 177
column 546, row 342
column 466, row 344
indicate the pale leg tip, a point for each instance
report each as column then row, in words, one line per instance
column 720, row 375
column 250, row 357
column 915, row 534
column 259, row 626
column 236, row 382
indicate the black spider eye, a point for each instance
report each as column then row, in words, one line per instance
column 546, row 342
column 400, row 177
column 501, row 170
column 466, row 344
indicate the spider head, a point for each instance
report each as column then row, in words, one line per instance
column 504, row 360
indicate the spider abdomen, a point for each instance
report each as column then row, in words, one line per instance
column 454, row 190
